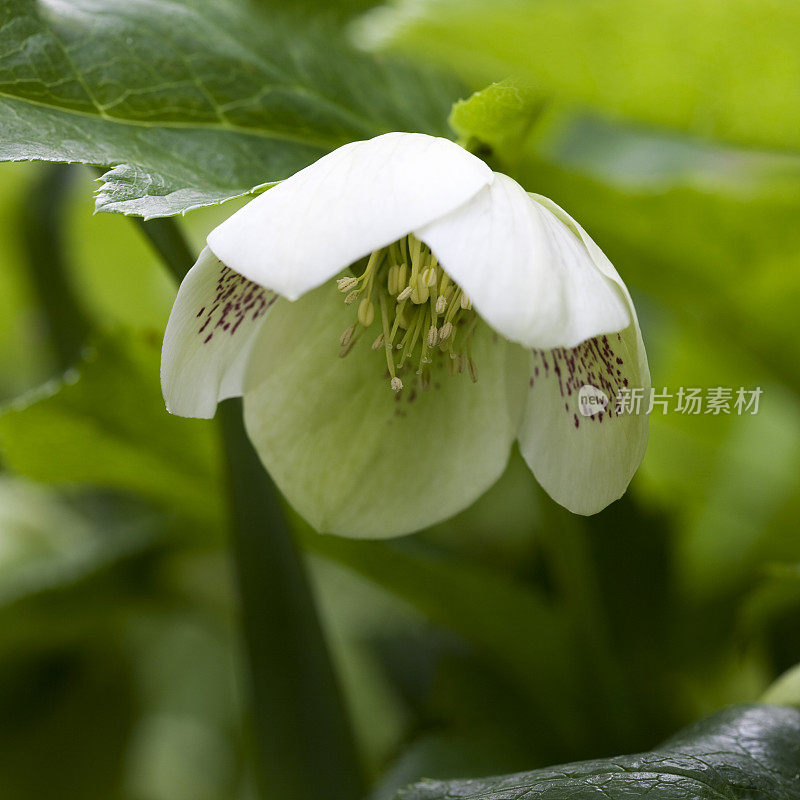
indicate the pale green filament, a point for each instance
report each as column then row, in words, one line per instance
column 424, row 316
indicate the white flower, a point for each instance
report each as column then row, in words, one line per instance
column 450, row 271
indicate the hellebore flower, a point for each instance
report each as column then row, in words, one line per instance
column 467, row 313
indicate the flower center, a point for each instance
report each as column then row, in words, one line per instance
column 422, row 314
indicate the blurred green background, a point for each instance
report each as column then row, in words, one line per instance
column 511, row 637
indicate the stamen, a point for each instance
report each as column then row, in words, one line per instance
column 433, row 336
column 419, row 292
column 424, row 316
column 394, row 274
column 346, row 284
column 366, row 312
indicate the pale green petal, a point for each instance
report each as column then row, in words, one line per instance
column 349, row 456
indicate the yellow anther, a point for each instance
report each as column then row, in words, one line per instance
column 366, row 312
column 346, row 284
column 421, row 312
column 347, row 335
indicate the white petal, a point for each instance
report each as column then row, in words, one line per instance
column 586, row 462
column 209, row 336
column 597, row 255
column 356, row 199
column 588, row 466
column 528, row 275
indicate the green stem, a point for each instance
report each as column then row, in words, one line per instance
column 42, row 233
column 303, row 742
column 304, row 746
column 564, row 540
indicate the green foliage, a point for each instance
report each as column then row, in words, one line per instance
column 745, row 753
column 189, row 103
column 727, row 70
column 513, row 636
column 93, row 419
column 500, row 116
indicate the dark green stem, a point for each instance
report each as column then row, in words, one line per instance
column 564, row 538
column 41, row 226
column 303, row 742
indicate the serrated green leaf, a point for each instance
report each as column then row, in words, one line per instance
column 729, row 70
column 193, row 104
column 501, row 116
column 104, row 424
column 746, row 753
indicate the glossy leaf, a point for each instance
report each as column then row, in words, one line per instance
column 190, row 104
column 746, row 753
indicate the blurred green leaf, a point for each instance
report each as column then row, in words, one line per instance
column 746, row 753
column 50, row 550
column 65, row 720
column 728, row 70
column 709, row 234
column 509, row 622
column 192, row 103
column 104, row 424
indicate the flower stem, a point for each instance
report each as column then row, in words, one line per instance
column 564, row 540
column 302, row 740
column 304, row 747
